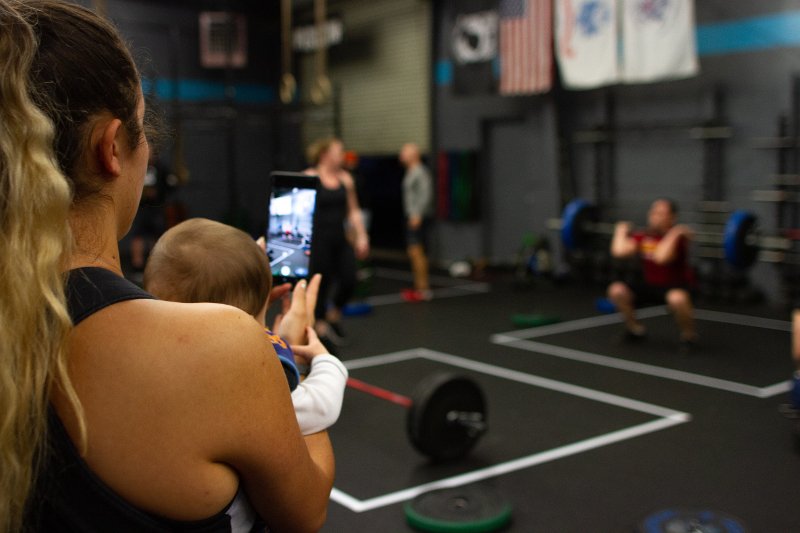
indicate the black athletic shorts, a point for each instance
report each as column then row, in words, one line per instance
column 652, row 295
column 419, row 235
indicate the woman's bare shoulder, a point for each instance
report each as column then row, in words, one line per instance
column 201, row 327
column 166, row 335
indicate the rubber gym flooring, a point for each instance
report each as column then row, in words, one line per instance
column 587, row 433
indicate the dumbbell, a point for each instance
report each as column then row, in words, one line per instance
column 446, row 414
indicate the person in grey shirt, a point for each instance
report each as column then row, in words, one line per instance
column 418, row 207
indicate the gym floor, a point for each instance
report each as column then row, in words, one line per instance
column 586, row 432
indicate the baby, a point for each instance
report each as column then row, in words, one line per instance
column 200, row 260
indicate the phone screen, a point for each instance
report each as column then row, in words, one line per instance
column 291, row 225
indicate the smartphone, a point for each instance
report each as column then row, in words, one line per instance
column 290, row 230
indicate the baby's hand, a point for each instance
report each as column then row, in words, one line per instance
column 303, row 354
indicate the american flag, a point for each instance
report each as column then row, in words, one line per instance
column 526, row 58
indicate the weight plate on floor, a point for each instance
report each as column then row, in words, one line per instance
column 739, row 243
column 447, row 416
column 459, row 510
column 574, row 220
column 691, row 521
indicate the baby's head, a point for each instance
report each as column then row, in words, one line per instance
column 200, row 260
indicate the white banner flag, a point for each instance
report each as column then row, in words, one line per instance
column 659, row 40
column 586, row 42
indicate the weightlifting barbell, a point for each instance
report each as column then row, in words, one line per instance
column 446, row 414
column 741, row 243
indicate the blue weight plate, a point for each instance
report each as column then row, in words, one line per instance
column 691, row 521
column 573, row 220
column 740, row 252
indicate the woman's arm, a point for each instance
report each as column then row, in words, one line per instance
column 354, row 216
column 251, row 426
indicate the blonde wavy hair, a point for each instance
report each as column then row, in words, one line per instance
column 35, row 240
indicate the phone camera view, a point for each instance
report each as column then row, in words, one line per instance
column 291, row 221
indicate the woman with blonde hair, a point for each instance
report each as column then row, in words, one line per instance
column 119, row 412
column 332, row 255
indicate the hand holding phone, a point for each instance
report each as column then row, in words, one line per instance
column 290, row 231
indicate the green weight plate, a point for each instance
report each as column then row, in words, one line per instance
column 533, row 321
column 447, row 416
column 469, row 509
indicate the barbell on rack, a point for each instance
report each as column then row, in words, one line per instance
column 740, row 244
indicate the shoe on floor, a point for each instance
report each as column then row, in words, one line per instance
column 635, row 334
column 337, row 330
column 688, row 343
column 329, row 345
column 416, row 296
column 335, row 334
column 789, row 411
column 331, row 333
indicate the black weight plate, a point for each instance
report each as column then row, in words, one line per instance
column 691, row 521
column 469, row 509
column 429, row 430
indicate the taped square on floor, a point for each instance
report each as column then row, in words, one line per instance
column 664, row 418
column 535, row 340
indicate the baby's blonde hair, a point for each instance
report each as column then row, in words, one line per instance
column 200, row 260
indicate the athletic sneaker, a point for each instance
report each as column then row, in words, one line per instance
column 794, row 394
column 328, row 333
column 336, row 334
column 337, row 329
column 688, row 344
column 635, row 335
column 788, row 411
column 416, row 296
column 332, row 348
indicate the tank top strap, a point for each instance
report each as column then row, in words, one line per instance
column 92, row 289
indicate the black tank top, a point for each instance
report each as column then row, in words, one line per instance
column 331, row 212
column 67, row 496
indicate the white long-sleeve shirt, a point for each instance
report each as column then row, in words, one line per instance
column 318, row 399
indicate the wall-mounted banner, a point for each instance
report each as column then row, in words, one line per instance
column 659, row 40
column 526, row 46
column 586, row 43
column 473, row 46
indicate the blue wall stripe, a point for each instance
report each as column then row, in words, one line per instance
column 444, row 72
column 748, row 35
column 193, row 90
column 780, row 30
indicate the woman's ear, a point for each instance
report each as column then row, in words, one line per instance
column 108, row 148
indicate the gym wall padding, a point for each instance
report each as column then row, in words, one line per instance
column 383, row 72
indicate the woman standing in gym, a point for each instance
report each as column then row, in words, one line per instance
column 119, row 412
column 332, row 255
